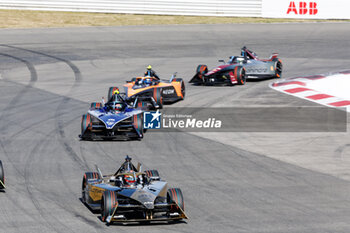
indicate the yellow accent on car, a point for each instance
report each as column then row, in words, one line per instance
column 95, row 192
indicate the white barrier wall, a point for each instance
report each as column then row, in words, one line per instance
column 248, row 8
column 314, row 9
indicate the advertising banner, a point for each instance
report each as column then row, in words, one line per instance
column 314, row 9
column 244, row 119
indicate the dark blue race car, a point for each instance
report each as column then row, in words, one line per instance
column 114, row 120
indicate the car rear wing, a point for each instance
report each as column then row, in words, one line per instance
column 274, row 55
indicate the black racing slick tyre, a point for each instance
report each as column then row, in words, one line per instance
column 157, row 96
column 239, row 73
column 175, row 196
column 87, row 176
column 183, row 89
column 200, row 71
column 111, row 92
column 152, row 173
column 142, row 105
column 2, row 176
column 278, row 66
column 95, row 105
column 85, row 124
column 138, row 124
column 108, row 203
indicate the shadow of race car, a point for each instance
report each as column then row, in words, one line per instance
column 132, row 195
column 114, row 120
column 238, row 69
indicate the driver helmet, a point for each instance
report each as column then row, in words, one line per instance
column 149, row 67
column 118, row 107
column 147, row 81
column 129, row 180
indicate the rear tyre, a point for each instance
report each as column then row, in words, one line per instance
column 2, row 176
column 200, row 71
column 175, row 196
column 87, row 176
column 152, row 173
column 239, row 73
column 95, row 105
column 157, row 96
column 108, row 203
column 278, row 67
column 142, row 104
column 111, row 92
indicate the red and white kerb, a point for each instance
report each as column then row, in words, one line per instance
column 299, row 87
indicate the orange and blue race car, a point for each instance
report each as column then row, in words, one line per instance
column 153, row 91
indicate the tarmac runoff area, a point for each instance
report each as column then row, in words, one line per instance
column 242, row 182
column 330, row 90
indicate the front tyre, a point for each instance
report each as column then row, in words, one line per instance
column 158, row 98
column 138, row 124
column 239, row 73
column 183, row 89
column 174, row 195
column 85, row 124
column 108, row 204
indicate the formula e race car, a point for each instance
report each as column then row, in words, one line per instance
column 130, row 195
column 2, row 176
column 154, row 91
column 238, row 69
column 114, row 120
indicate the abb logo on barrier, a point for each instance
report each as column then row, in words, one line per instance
column 304, row 8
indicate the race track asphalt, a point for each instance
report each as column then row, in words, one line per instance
column 232, row 182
